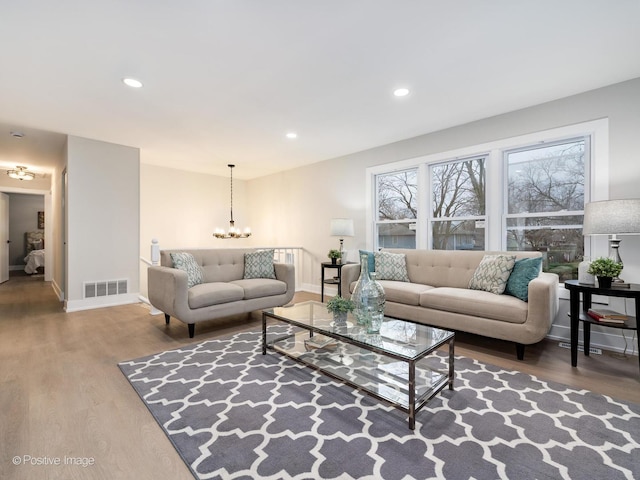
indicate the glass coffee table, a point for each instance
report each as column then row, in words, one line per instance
column 394, row 366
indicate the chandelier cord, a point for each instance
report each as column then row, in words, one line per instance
column 232, row 222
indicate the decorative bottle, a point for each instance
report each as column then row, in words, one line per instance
column 376, row 300
column 360, row 312
column 584, row 277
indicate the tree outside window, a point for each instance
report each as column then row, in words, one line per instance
column 458, row 204
column 396, row 195
column 545, row 203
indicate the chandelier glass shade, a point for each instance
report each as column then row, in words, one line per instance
column 21, row 173
column 233, row 232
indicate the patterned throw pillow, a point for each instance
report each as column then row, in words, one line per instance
column 492, row 273
column 259, row 264
column 391, row 266
column 186, row 261
column 525, row 270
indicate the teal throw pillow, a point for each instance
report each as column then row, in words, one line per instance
column 391, row 266
column 186, row 261
column 259, row 264
column 525, row 270
column 371, row 260
column 492, row 273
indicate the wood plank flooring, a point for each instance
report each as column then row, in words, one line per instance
column 62, row 394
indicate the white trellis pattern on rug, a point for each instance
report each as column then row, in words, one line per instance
column 233, row 413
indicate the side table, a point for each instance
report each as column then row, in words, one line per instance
column 332, row 281
column 577, row 315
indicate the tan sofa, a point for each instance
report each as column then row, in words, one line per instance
column 438, row 295
column 224, row 291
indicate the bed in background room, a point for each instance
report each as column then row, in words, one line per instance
column 34, row 245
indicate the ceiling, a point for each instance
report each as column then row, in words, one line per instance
column 224, row 81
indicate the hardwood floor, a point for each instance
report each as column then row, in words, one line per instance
column 62, row 394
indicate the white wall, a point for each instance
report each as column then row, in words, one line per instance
column 182, row 209
column 103, row 219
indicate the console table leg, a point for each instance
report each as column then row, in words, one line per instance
column 574, row 303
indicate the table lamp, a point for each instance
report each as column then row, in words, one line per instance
column 612, row 217
column 342, row 227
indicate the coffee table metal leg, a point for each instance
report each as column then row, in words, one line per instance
column 264, row 333
column 451, row 360
column 412, row 395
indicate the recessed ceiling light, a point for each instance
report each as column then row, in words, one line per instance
column 401, row 92
column 132, row 82
column 17, row 134
column 292, row 135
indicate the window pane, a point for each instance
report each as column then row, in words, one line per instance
column 547, row 179
column 459, row 188
column 396, row 235
column 558, row 238
column 458, row 235
column 397, row 195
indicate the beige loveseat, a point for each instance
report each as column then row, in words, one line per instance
column 438, row 294
column 224, row 289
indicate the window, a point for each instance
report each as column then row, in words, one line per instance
column 545, row 203
column 458, row 204
column 396, row 195
column 520, row 193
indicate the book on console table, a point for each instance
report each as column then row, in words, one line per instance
column 606, row 315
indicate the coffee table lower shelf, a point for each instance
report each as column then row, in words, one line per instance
column 406, row 384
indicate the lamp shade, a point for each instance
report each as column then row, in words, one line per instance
column 612, row 217
column 342, row 227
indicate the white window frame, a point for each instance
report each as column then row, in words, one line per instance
column 597, row 179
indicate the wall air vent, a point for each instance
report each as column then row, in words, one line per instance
column 105, row 288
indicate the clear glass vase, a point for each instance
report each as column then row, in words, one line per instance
column 369, row 298
column 360, row 312
column 376, row 300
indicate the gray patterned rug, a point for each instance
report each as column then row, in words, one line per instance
column 233, row 413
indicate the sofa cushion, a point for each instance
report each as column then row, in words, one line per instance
column 492, row 273
column 259, row 264
column 261, row 287
column 391, row 266
column 524, row 270
column 215, row 293
column 403, row 292
column 186, row 261
column 475, row 303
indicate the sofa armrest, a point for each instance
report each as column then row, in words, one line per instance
column 286, row 273
column 167, row 288
column 543, row 301
column 348, row 275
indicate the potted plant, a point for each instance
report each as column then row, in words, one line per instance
column 340, row 307
column 605, row 269
column 334, row 255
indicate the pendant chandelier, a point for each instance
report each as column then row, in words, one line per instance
column 21, row 173
column 233, row 232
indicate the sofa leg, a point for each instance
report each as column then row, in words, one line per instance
column 520, row 351
column 192, row 329
column 166, row 318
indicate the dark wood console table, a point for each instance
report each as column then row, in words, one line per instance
column 578, row 315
